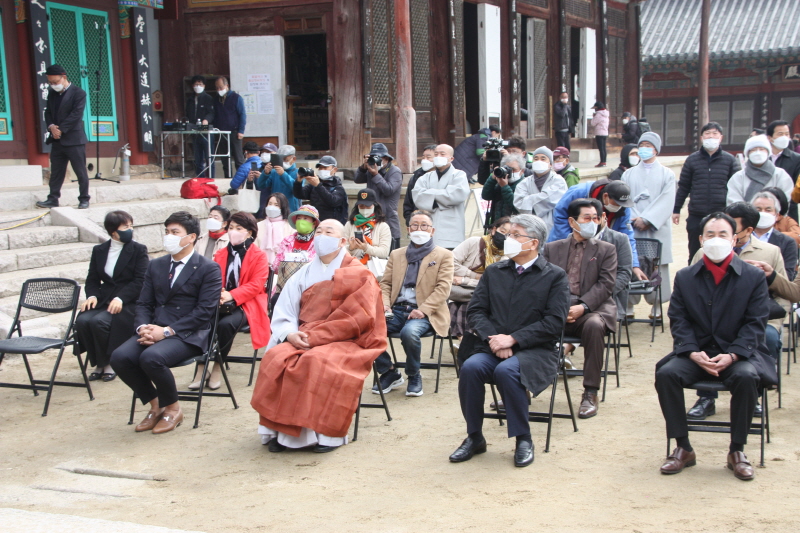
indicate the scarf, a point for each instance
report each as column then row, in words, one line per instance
column 718, row 271
column 489, row 252
column 540, row 180
column 235, row 257
column 759, row 176
column 304, row 238
column 414, row 256
column 361, row 220
column 366, row 224
column 217, row 234
column 273, row 234
column 597, row 194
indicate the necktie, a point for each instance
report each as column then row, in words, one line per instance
column 737, row 250
column 520, row 269
column 172, row 270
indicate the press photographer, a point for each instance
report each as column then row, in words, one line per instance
column 501, row 168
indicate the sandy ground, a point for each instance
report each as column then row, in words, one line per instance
column 396, row 477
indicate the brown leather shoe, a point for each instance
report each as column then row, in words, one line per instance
column 168, row 422
column 149, row 421
column 588, row 405
column 678, row 460
column 742, row 469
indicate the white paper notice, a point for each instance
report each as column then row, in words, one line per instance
column 249, row 103
column 266, row 102
column 258, row 82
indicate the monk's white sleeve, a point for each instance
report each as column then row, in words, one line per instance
column 285, row 316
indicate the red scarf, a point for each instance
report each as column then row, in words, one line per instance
column 597, row 194
column 718, row 271
column 217, row 234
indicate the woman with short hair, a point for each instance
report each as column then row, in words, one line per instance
column 367, row 233
column 216, row 237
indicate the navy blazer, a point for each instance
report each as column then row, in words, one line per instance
column 788, row 250
column 126, row 283
column 69, row 117
column 189, row 306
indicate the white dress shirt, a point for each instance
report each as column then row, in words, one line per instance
column 179, row 268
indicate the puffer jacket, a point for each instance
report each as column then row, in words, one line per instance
column 705, row 177
column 600, row 123
column 630, row 131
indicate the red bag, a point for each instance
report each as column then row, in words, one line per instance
column 196, row 188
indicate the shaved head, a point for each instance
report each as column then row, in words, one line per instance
column 331, row 227
column 445, row 149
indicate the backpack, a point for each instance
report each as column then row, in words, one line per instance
column 195, row 188
column 644, row 127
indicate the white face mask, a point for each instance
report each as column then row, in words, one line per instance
column 265, row 158
column 757, row 157
column 172, row 244
column 273, row 211
column 440, row 161
column 633, row 160
column 324, row 174
column 540, row 167
column 199, row 89
column 213, row 224
column 587, row 229
column 717, row 249
column 611, row 208
column 325, row 244
column 625, row 120
column 512, row 247
column 222, row 92
column 419, row 237
column 781, row 142
column 58, row 88
column 765, row 220
column 426, row 165
column 287, row 165
column 366, row 213
column 565, row 100
column 711, row 144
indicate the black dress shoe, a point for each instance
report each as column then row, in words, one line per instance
column 758, row 410
column 523, row 455
column 94, row 376
column 702, row 408
column 467, row 449
column 274, row 446
column 319, row 448
column 47, row 204
column 83, row 205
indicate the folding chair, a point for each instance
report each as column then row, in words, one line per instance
column 719, row 426
column 46, row 295
column 610, row 342
column 429, row 366
column 791, row 339
column 211, row 354
column 650, row 250
column 383, row 405
column 623, row 323
column 246, row 329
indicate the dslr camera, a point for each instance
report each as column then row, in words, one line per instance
column 493, row 147
column 373, row 160
column 503, row 172
column 304, row 172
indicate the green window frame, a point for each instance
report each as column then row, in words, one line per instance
column 77, row 38
column 6, row 133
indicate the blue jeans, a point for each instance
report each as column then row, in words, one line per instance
column 411, row 332
column 201, row 156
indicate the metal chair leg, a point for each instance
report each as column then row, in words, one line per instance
column 52, row 381
column 496, row 404
column 133, row 409
column 550, row 417
column 569, row 398
column 253, row 367
column 30, row 374
column 439, row 363
column 358, row 414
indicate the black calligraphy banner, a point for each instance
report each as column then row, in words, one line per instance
column 139, row 36
column 41, row 60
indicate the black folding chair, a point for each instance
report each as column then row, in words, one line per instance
column 206, row 358
column 429, row 366
column 623, row 323
column 383, row 405
column 46, row 295
column 790, row 347
column 610, row 344
column 720, row 426
column 246, row 329
column 650, row 251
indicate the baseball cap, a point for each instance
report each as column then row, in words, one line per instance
column 269, row 147
column 561, row 151
column 619, row 192
column 327, row 161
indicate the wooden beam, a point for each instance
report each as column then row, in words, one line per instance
column 702, row 101
column 405, row 115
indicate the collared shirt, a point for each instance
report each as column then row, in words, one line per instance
column 765, row 237
column 527, row 265
column 179, row 268
column 574, row 260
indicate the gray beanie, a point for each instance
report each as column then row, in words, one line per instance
column 653, row 138
column 546, row 151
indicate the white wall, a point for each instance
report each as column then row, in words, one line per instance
column 587, row 94
column 489, row 64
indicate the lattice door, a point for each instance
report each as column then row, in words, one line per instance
column 5, row 110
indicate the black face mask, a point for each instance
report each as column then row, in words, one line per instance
column 125, row 236
column 498, row 240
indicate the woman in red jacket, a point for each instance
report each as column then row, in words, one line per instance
column 243, row 301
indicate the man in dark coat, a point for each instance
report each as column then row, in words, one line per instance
column 468, row 154
column 229, row 115
column 563, row 121
column 324, row 190
column 628, row 157
column 718, row 318
column 630, row 129
column 200, row 109
column 426, row 165
column 591, row 267
column 386, row 179
column 66, row 137
column 518, row 311
column 704, row 178
column 784, row 156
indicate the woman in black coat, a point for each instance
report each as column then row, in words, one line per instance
column 115, row 278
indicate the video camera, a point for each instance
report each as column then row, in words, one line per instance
column 304, row 172
column 493, row 147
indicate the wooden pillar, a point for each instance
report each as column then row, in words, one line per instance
column 702, row 104
column 405, row 115
column 603, row 52
column 632, row 88
column 28, row 90
column 511, row 88
column 129, row 102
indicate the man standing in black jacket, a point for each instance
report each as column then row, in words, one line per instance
column 324, row 190
column 784, row 156
column 66, row 137
column 564, row 124
column 704, row 176
column 426, row 165
column 200, row 111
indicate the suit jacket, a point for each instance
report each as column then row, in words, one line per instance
column 624, row 267
column 724, row 318
column 189, row 306
column 69, row 117
column 433, row 284
column 128, row 278
column 598, row 275
column 788, row 251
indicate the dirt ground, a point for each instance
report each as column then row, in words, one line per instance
column 396, row 477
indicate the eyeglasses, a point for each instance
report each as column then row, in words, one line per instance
column 516, row 236
column 418, row 227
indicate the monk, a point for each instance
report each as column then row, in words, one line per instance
column 328, row 326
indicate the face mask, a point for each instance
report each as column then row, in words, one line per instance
column 512, row 247
column 366, row 213
column 199, row 88
column 237, row 237
column 645, row 153
column 325, row 244
column 440, row 161
column 273, row 211
column 222, row 92
column 287, row 166
column 324, row 174
column 213, row 224
column 265, row 158
column 498, row 240
column 711, row 144
column 540, row 167
column 304, row 227
column 765, row 220
column 625, row 120
column 611, row 208
column 126, row 235
column 559, row 166
column 172, row 244
column 758, row 157
column 419, row 237
column 633, row 160
column 778, row 142
column 565, row 100
column 426, row 165
column 717, row 249
column 58, row 88
column 588, row 229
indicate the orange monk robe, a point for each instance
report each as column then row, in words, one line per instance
column 319, row 388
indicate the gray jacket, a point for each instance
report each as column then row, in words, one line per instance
column 624, row 267
column 386, row 184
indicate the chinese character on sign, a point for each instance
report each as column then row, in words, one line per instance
column 791, row 72
column 40, row 45
column 147, row 118
column 44, row 88
column 39, row 23
column 140, row 24
column 143, row 81
column 42, row 69
column 36, row 3
column 146, row 99
column 148, row 137
column 143, row 61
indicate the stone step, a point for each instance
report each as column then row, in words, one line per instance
column 25, row 238
column 44, row 256
column 50, row 326
column 11, row 282
column 38, row 218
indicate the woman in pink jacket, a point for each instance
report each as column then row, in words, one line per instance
column 600, row 125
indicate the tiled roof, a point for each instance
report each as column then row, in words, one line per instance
column 739, row 29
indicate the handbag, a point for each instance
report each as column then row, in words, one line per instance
column 461, row 294
column 377, row 266
column 228, row 308
column 776, row 310
column 249, row 200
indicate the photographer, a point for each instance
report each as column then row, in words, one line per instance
column 250, row 169
column 324, row 190
column 487, row 163
column 386, row 180
column 468, row 153
column 280, row 178
column 500, row 185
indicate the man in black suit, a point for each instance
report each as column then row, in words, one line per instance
column 718, row 317
column 173, row 316
column 200, row 109
column 784, row 156
column 769, row 207
column 64, row 116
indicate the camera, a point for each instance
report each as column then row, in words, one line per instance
column 493, row 147
column 373, row 160
column 503, row 172
column 304, row 172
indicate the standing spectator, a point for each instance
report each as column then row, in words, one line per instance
column 386, row 180
column 704, row 178
column 628, row 157
column 324, row 190
column 444, row 194
column 245, row 171
column 499, row 190
column 630, row 129
column 600, row 125
column 200, row 108
column 539, row 193
column 784, row 156
column 516, row 146
column 469, row 152
column 281, row 179
column 564, row 123
column 229, row 115
column 275, row 227
column 759, row 171
column 426, row 165
column 266, row 157
column 564, row 168
column 785, row 224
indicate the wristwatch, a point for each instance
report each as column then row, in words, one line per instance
column 585, row 308
column 167, row 333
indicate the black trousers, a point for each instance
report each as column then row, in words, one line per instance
column 693, row 232
column 221, row 145
column 146, row 369
column 741, row 378
column 592, row 330
column 92, row 329
column 562, row 139
column 59, row 157
column 601, row 145
column 227, row 328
